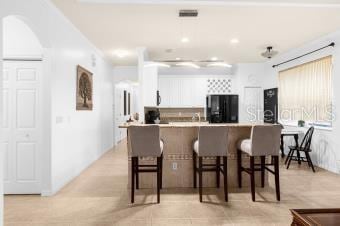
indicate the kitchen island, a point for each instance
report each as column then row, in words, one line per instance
column 177, row 153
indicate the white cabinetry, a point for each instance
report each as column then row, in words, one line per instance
column 199, row 92
column 182, row 92
column 164, row 89
column 187, row 90
column 149, row 86
column 175, row 92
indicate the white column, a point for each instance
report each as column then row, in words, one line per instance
column 142, row 57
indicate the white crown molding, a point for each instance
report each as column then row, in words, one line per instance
column 217, row 3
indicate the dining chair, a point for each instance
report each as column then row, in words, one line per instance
column 304, row 147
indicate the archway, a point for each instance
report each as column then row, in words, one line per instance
column 22, row 108
column 31, row 53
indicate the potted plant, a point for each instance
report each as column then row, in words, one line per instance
column 301, row 123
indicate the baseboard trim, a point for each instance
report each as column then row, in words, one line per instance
column 47, row 193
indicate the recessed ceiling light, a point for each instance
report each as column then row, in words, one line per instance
column 156, row 64
column 185, row 39
column 219, row 64
column 121, row 53
column 214, row 58
column 188, row 64
column 234, row 41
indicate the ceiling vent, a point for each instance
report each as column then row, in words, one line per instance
column 188, row 13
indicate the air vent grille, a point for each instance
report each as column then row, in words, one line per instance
column 188, row 13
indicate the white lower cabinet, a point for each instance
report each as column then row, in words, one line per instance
column 182, row 92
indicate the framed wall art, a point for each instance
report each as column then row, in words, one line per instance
column 84, row 89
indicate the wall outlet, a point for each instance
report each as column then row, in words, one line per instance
column 59, row 119
column 174, row 166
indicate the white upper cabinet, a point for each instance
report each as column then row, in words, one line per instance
column 199, row 92
column 187, row 87
column 150, row 86
column 164, row 92
column 182, row 92
column 175, row 92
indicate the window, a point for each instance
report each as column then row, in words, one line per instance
column 305, row 93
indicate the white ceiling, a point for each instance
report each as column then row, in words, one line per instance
column 118, row 24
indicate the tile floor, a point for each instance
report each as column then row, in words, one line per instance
column 99, row 197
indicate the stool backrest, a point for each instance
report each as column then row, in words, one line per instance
column 307, row 140
column 144, row 141
column 213, row 141
column 265, row 140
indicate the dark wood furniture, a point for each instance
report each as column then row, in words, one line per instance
column 212, row 143
column 264, row 141
column 288, row 133
column 303, row 147
column 136, row 169
column 259, row 167
column 145, row 142
column 217, row 167
column 315, row 217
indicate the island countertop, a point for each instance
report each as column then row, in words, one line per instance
column 178, row 163
column 192, row 124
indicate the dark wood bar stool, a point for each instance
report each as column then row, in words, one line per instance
column 145, row 142
column 264, row 141
column 303, row 147
column 212, row 142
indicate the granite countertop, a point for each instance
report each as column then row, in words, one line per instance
column 191, row 124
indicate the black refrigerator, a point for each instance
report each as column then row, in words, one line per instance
column 270, row 110
column 222, row 108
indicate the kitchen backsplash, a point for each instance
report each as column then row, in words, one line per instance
column 180, row 114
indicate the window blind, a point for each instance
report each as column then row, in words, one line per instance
column 305, row 91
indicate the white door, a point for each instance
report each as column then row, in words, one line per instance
column 22, row 127
column 253, row 103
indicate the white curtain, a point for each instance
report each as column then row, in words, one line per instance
column 305, row 91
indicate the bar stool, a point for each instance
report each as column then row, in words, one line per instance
column 145, row 142
column 264, row 141
column 212, row 142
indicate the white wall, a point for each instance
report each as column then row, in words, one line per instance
column 325, row 146
column 1, row 132
column 19, row 40
column 79, row 137
column 125, row 73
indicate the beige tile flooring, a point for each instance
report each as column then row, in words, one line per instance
column 99, row 197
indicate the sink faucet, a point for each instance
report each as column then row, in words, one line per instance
column 198, row 115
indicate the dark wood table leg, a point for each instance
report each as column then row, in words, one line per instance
column 282, row 147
